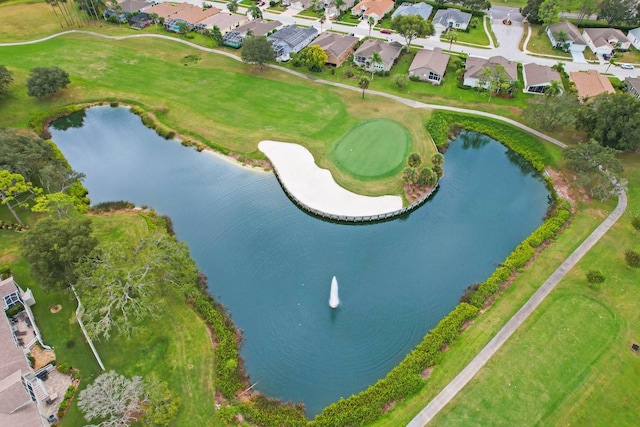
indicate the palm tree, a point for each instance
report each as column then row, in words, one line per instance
column 452, row 36
column 155, row 18
column 371, row 23
column 339, row 4
column 323, row 19
column 255, row 12
column 554, row 89
column 375, row 59
column 363, row 83
column 233, row 6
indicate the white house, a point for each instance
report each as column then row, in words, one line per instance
column 573, row 41
column 421, row 9
column 605, row 40
column 634, row 37
column 538, row 77
column 451, row 18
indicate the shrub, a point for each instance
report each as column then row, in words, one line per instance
column 14, row 309
column 594, row 277
column 632, row 257
column 414, row 160
column 400, row 80
column 64, row 368
column 636, row 223
column 112, row 206
column 114, row 104
column 348, row 73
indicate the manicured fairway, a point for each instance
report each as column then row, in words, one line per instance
column 544, row 363
column 372, row 149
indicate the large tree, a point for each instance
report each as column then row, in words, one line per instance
column 532, row 11
column 551, row 112
column 113, row 399
column 15, row 191
column 618, row 11
column 612, row 120
column 313, row 57
column 6, row 78
column 549, row 12
column 476, row 4
column 257, row 50
column 596, row 168
column 118, row 283
column 53, row 249
column 412, row 26
column 363, row 83
column 44, row 81
column 24, row 153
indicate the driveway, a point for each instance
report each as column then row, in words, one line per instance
column 578, row 57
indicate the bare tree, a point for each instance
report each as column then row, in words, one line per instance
column 114, row 399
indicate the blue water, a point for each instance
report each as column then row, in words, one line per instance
column 271, row 264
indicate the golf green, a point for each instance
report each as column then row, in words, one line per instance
column 372, row 149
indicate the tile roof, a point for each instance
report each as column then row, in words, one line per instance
column 443, row 16
column 590, row 83
column 336, row 44
column 194, row 15
column 535, row 74
column 377, row 7
column 604, row 36
column 475, row 65
column 573, row 33
column 223, row 20
column 434, row 59
column 130, row 6
column 421, row 9
column 388, row 51
column 165, row 10
column 259, row 27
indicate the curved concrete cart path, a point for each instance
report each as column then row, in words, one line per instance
column 450, row 391
column 316, row 189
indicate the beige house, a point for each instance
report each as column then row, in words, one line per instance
column 429, row 65
column 573, row 41
column 475, row 66
column 375, row 9
column 538, row 77
column 605, row 40
column 389, row 52
column 590, row 83
column 338, row 47
column 225, row 21
column 166, row 10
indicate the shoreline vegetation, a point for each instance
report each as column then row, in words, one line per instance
column 414, row 374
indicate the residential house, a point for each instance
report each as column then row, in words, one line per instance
column 538, row 77
column 590, row 83
column 291, row 39
column 140, row 20
column 475, row 67
column 193, row 16
column 131, row 6
column 633, row 86
column 634, row 37
column 338, row 47
column 605, row 40
column 166, row 10
column 389, row 52
column 332, row 10
column 225, row 21
column 258, row 27
column 429, row 65
column 21, row 392
column 574, row 41
column 298, row 4
column 375, row 9
column 446, row 19
column 421, row 9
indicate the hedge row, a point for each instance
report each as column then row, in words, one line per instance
column 521, row 254
column 229, row 376
column 517, row 140
column 403, row 381
column 264, row 411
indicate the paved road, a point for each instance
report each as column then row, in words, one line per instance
column 514, row 323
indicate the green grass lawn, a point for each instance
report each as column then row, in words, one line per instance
column 476, row 36
column 539, row 43
column 372, row 149
column 175, row 347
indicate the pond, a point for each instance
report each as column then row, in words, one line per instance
column 271, row 264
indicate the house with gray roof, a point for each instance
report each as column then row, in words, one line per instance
column 634, row 37
column 291, row 39
column 605, row 40
column 445, row 19
column 338, row 47
column 538, row 77
column 474, row 68
column 421, row 9
column 257, row 27
column 573, row 41
column 633, row 86
column 389, row 52
column 429, row 65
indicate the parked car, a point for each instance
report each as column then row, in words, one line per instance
column 626, row 66
column 385, row 31
column 606, row 56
